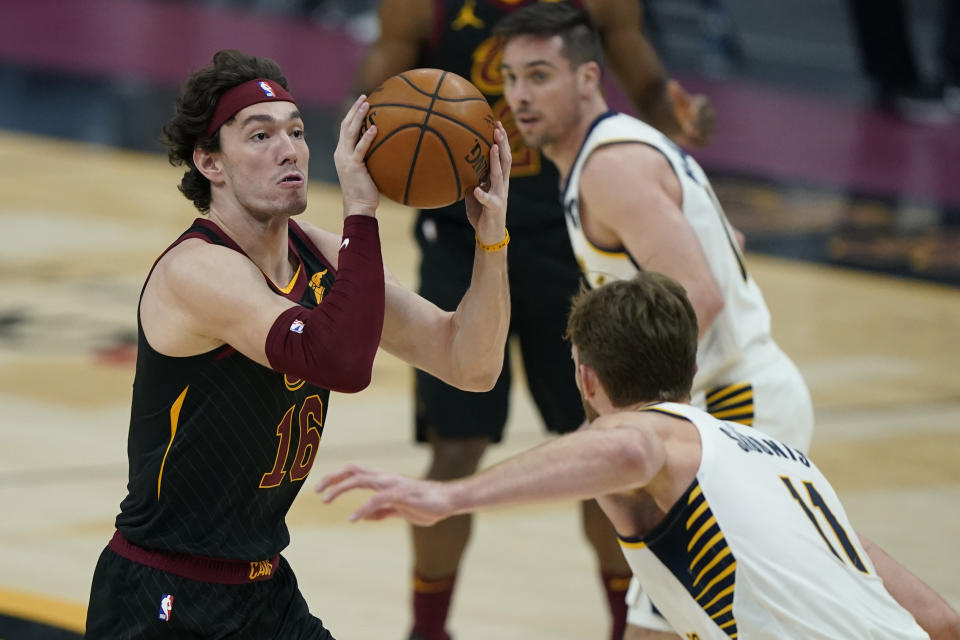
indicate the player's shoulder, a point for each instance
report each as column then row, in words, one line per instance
column 620, row 419
column 622, row 167
column 195, row 261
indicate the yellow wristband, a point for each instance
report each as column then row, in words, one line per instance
column 495, row 247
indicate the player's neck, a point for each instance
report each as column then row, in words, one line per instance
column 638, row 406
column 265, row 241
column 563, row 153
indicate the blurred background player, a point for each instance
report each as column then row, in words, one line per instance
column 633, row 199
column 456, row 35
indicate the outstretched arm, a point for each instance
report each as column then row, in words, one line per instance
column 931, row 612
column 660, row 101
column 607, row 458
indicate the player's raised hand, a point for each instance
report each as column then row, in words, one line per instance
column 487, row 207
column 421, row 502
column 697, row 117
column 360, row 194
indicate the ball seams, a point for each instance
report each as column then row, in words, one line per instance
column 416, row 151
column 432, row 113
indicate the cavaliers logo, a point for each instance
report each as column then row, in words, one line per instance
column 317, row 286
column 485, row 70
column 291, row 383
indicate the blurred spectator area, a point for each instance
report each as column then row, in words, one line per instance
column 796, row 118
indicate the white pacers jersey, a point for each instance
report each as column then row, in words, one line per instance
column 759, row 546
column 742, row 329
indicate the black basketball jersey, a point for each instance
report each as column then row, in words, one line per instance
column 462, row 44
column 219, row 445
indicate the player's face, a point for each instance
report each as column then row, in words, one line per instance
column 540, row 86
column 265, row 156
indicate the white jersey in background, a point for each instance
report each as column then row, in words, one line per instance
column 760, row 547
column 741, row 373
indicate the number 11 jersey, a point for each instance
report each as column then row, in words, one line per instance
column 759, row 546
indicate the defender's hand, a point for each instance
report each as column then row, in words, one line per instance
column 422, row 502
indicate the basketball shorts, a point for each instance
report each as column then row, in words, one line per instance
column 544, row 276
column 776, row 401
column 129, row 600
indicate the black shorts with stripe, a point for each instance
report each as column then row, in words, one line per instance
column 127, row 602
column 544, row 277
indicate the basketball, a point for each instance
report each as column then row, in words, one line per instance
column 434, row 133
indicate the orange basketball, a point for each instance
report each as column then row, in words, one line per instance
column 434, row 132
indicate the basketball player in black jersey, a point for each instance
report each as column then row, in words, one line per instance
column 246, row 322
column 456, row 35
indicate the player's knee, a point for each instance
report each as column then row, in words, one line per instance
column 455, row 458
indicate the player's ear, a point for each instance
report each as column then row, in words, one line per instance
column 588, row 381
column 588, row 77
column 208, row 163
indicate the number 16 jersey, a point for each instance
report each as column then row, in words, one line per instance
column 219, row 445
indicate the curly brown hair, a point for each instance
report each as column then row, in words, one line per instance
column 198, row 99
column 640, row 336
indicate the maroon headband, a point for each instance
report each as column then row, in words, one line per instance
column 242, row 96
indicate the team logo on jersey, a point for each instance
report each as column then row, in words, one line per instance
column 267, row 89
column 292, row 384
column 166, row 607
column 317, row 279
column 297, row 326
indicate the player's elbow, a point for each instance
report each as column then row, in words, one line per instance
column 481, row 378
column 708, row 305
column 944, row 627
column 354, row 374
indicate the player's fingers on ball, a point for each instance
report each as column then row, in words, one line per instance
column 366, row 140
column 351, row 114
column 481, row 196
column 506, row 156
column 358, row 119
column 499, row 168
column 351, row 124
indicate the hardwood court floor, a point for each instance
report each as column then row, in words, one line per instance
column 79, row 228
